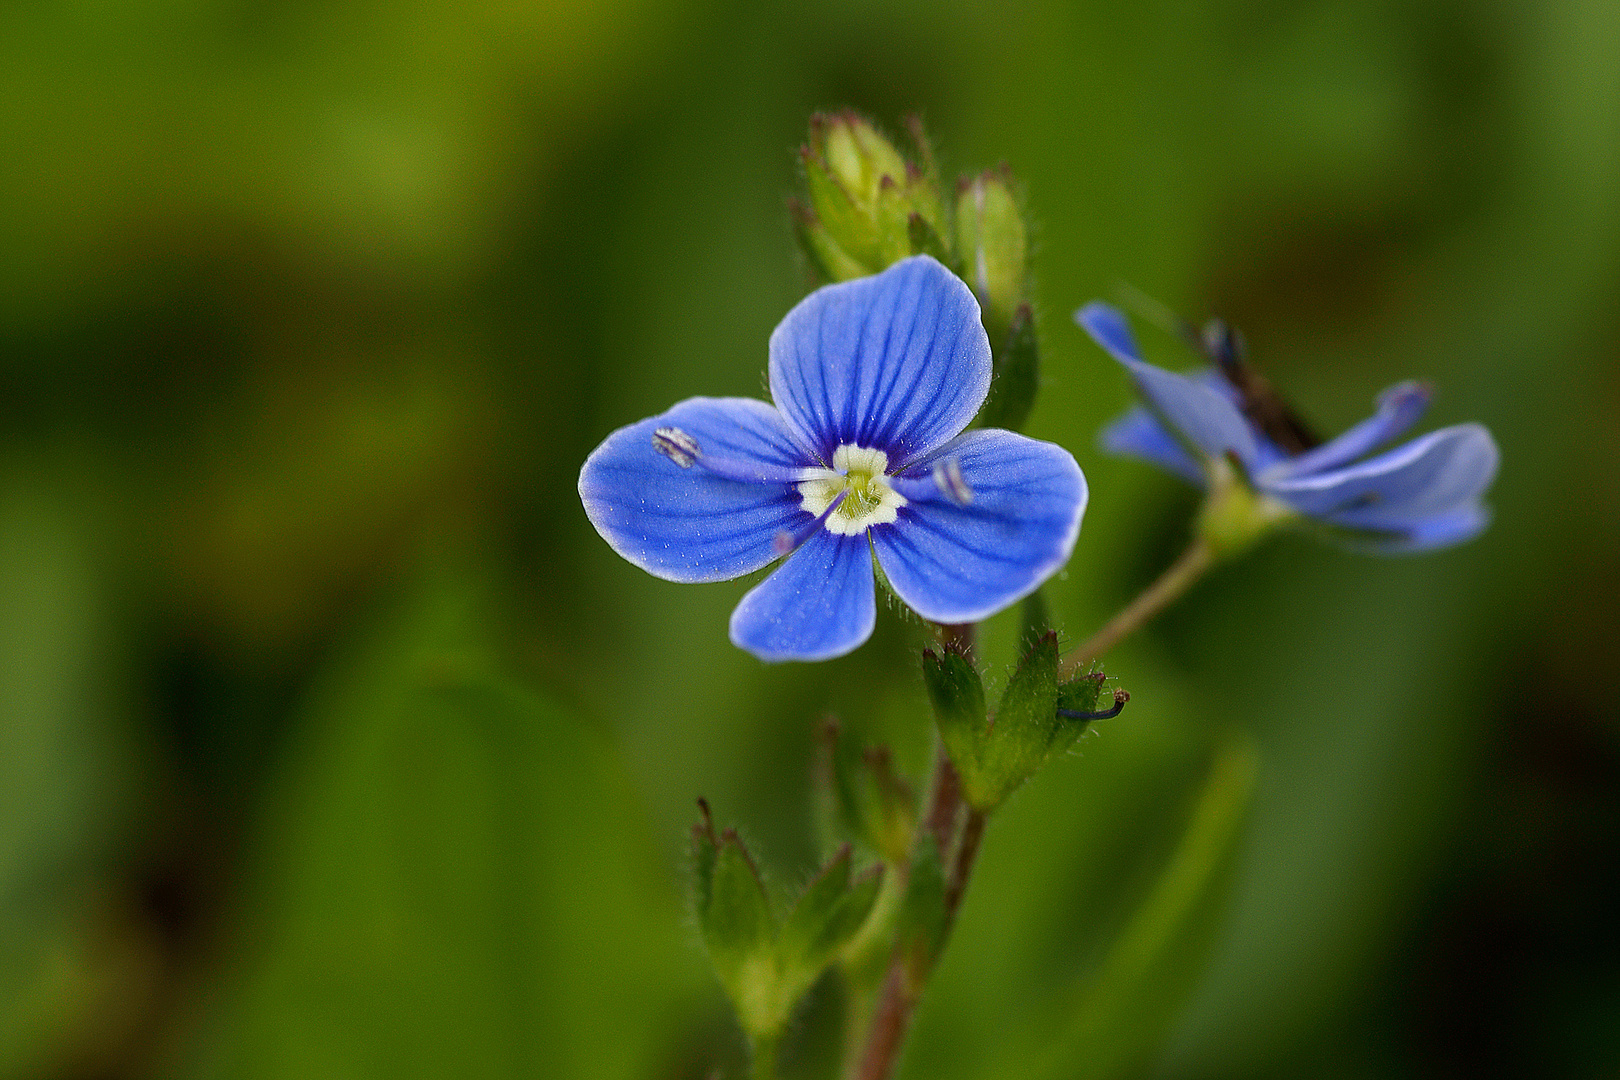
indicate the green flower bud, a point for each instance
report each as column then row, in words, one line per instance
column 867, row 207
column 764, row 963
column 738, row 926
column 1038, row 716
column 857, row 155
column 873, row 803
column 990, row 236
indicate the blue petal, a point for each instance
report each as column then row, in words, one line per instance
column 898, row 362
column 1398, row 409
column 817, row 605
column 689, row 524
column 1139, row 434
column 1109, row 328
column 1441, row 530
column 1398, row 490
column 1204, row 417
column 956, row 564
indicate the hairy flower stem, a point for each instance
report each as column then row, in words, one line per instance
column 763, row 1063
column 952, row 830
column 1199, row 557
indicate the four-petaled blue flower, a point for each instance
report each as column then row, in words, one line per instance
column 862, row 454
column 1423, row 494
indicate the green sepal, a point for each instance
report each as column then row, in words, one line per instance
column 1016, row 364
column 738, row 926
column 893, row 211
column 852, row 229
column 1081, row 694
column 766, row 965
column 856, row 154
column 990, row 235
column 957, row 695
column 925, row 240
column 1034, row 618
column 867, row 200
column 825, row 920
column 831, row 262
column 873, row 803
column 994, row 756
column 1016, row 743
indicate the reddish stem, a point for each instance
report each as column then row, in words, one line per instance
column 902, row 986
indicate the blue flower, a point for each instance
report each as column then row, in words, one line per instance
column 1420, row 495
column 862, row 454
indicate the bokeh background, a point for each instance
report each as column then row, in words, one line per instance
column 334, row 743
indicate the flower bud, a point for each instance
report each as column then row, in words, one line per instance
column 1039, row 715
column 873, row 803
column 765, row 963
column 868, row 207
column 991, row 238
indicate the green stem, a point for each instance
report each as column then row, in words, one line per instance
column 1199, row 557
column 952, row 831
column 763, row 1066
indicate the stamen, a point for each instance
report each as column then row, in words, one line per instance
column 684, row 451
column 943, row 481
column 1120, row 698
column 948, row 478
column 676, row 445
column 786, row 542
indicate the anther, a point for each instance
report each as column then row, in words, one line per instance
column 785, row 541
column 676, row 445
column 1120, row 698
column 943, row 481
column 948, row 478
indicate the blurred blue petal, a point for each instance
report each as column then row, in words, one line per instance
column 1399, row 408
column 818, row 604
column 689, row 524
column 960, row 563
column 1438, row 531
column 1432, row 475
column 1208, row 419
column 1422, row 495
column 1109, row 328
column 1139, row 434
column 897, row 362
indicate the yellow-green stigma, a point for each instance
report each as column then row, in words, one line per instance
column 860, row 476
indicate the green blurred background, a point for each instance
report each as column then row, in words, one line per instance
column 334, row 743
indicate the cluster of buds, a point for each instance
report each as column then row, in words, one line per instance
column 867, row 206
column 1040, row 715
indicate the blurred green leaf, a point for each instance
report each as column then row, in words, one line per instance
column 1143, row 984
column 62, row 782
column 456, row 882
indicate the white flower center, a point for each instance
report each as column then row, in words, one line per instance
column 860, row 476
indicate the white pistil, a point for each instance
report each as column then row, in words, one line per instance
column 860, row 476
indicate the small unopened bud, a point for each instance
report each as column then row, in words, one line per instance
column 862, row 198
column 991, row 238
column 676, row 445
column 858, row 157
